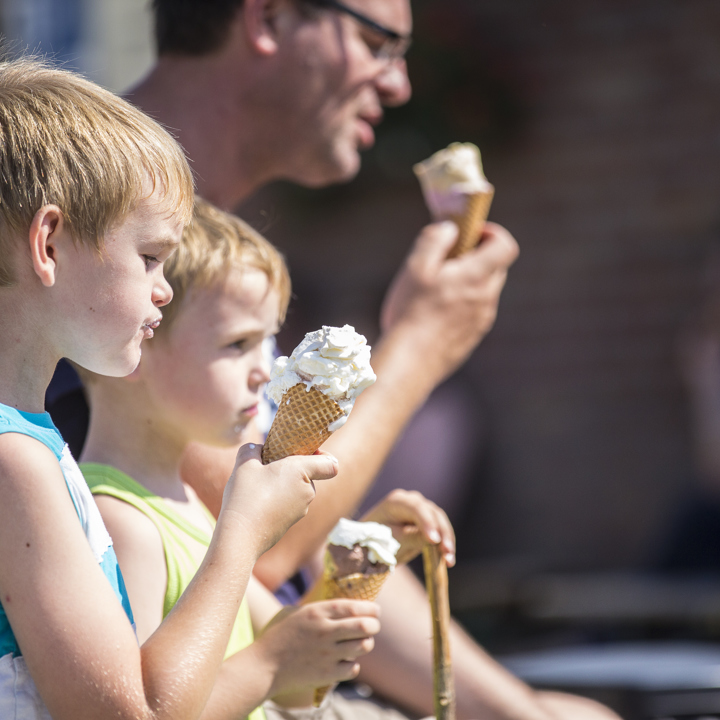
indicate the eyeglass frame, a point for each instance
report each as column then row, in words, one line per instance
column 391, row 36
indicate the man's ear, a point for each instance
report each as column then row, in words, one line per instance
column 45, row 232
column 260, row 18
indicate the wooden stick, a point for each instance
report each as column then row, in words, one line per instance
column 436, row 580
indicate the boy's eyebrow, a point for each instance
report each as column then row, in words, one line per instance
column 164, row 242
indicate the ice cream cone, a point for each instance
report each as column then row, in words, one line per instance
column 455, row 188
column 357, row 586
column 470, row 223
column 301, row 424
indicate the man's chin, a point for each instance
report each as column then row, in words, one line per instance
column 338, row 170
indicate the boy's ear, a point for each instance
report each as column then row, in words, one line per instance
column 260, row 19
column 45, row 231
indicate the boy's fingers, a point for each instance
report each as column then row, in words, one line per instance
column 346, row 608
column 355, row 647
column 250, row 451
column 321, row 466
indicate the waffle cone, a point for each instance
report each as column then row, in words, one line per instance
column 354, row 587
column 301, row 424
column 471, row 222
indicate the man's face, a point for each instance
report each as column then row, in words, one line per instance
column 335, row 87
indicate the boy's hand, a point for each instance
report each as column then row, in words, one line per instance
column 271, row 498
column 317, row 645
column 414, row 520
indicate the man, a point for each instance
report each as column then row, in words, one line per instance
column 291, row 89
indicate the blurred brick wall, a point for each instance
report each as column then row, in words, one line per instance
column 609, row 177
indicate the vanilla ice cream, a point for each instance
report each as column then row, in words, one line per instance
column 335, row 361
column 449, row 176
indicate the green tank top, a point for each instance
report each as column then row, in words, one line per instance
column 177, row 534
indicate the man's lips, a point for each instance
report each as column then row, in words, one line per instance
column 366, row 122
column 366, row 134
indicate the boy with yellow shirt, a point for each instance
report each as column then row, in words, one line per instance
column 201, row 379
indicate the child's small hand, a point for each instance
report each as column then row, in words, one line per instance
column 317, row 645
column 271, row 498
column 414, row 520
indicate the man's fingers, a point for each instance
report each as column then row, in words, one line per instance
column 433, row 244
column 497, row 246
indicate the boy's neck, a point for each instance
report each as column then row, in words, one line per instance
column 27, row 360
column 124, row 434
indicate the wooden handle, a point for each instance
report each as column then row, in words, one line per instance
column 436, row 580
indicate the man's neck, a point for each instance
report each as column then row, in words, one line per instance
column 195, row 101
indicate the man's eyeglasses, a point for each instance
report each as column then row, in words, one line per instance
column 384, row 43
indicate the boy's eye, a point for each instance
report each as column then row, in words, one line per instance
column 240, row 344
column 149, row 260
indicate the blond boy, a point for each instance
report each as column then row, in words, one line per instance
column 93, row 200
column 201, row 379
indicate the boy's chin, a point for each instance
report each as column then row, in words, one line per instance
column 116, row 367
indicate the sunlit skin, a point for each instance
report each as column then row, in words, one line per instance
column 93, row 306
column 298, row 97
column 213, row 353
column 201, row 378
column 117, row 303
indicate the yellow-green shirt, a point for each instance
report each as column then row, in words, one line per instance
column 177, row 535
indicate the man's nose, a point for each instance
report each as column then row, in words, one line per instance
column 393, row 84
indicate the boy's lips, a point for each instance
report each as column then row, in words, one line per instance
column 150, row 327
column 250, row 411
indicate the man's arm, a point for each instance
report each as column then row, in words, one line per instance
column 435, row 314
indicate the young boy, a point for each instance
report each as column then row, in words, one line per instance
column 200, row 379
column 93, row 200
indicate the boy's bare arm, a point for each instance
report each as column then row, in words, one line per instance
column 61, row 606
column 435, row 314
column 141, row 556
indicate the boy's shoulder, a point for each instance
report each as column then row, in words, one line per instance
column 36, row 425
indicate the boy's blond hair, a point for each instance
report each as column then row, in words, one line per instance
column 68, row 142
column 213, row 243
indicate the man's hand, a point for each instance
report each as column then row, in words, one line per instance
column 448, row 306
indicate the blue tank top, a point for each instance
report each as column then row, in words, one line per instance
column 40, row 427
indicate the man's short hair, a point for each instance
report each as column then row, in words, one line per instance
column 193, row 27
column 214, row 243
column 68, row 142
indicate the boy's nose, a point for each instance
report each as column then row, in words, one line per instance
column 260, row 373
column 162, row 292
